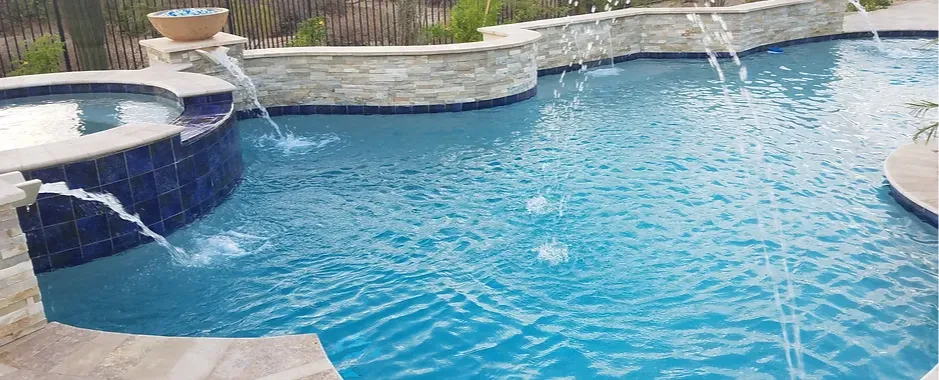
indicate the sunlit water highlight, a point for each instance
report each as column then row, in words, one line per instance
column 409, row 246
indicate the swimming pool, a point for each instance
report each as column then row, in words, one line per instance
column 615, row 232
column 43, row 119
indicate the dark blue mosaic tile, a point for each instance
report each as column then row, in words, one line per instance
column 17, row 93
column 148, row 211
column 455, row 107
column 55, row 210
column 61, row 237
column 173, row 223
column 93, row 229
column 82, row 175
column 188, row 195
column 36, row 241
column 41, row 264
column 143, row 187
column 193, row 214
column 469, row 106
column 39, row 91
column 338, row 110
column 203, row 189
column 161, row 153
column 66, row 259
column 29, row 218
column 124, row 242
column 185, row 171
column 122, row 191
column 221, row 98
column 371, row 110
column 402, row 110
column 200, row 163
column 155, row 227
column 111, row 168
column 437, row 108
column 50, row 174
column 170, row 204
column 118, row 88
column 386, row 110
column 138, row 161
column 275, row 111
column 97, row 250
column 82, row 88
column 307, row 110
column 511, row 99
column 291, row 110
column 84, row 209
column 165, row 179
column 483, row 104
column 355, row 110
column 99, row 87
column 60, row 89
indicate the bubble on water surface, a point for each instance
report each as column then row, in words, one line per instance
column 553, row 253
column 537, row 205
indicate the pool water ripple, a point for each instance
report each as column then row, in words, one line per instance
column 412, row 246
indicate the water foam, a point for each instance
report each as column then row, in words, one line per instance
column 553, row 253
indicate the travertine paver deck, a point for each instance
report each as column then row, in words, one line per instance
column 59, row 351
column 913, row 171
column 907, row 15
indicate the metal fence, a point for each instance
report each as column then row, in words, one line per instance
column 266, row 23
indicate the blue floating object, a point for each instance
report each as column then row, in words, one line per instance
column 775, row 50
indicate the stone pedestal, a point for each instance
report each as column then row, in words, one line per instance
column 186, row 56
column 20, row 302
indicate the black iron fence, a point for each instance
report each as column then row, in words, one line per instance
column 103, row 34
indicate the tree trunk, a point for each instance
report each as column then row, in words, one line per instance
column 84, row 21
column 408, row 27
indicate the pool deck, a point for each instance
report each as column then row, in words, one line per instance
column 63, row 352
column 906, row 15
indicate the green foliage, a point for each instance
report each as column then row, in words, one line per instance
column 531, row 10
column 25, row 10
column 41, row 57
column 311, row 32
column 871, row 5
column 465, row 17
column 263, row 23
column 921, row 109
column 133, row 16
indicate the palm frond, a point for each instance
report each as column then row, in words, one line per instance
column 920, row 108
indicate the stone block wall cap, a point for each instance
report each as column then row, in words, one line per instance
column 182, row 84
column 166, row 45
column 511, row 38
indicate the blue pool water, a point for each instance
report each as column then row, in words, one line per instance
column 38, row 120
column 618, row 232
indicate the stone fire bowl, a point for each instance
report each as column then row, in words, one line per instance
column 189, row 27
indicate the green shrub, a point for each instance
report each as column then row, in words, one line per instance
column 465, row 17
column 311, row 32
column 133, row 18
column 531, row 10
column 41, row 57
column 870, row 5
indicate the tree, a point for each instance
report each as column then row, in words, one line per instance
column 84, row 20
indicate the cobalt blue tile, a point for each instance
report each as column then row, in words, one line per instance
column 193, row 214
column 203, row 188
column 292, row 110
column 122, row 190
column 174, row 223
column 50, row 174
column 148, row 211
column 81, row 175
column 4, row 95
column 97, row 250
column 185, row 171
column 155, row 227
column 143, row 187
column 207, row 205
column 170, row 204
column 117, row 88
column 17, row 93
column 60, row 89
column 338, row 110
column 124, row 242
column 469, row 106
column 188, row 195
column 275, row 111
column 55, row 210
column 139, row 161
column 402, row 110
column 454, row 107
column 498, row 102
column 223, row 97
column 371, row 110
column 483, row 104
column 99, row 88
column 83, row 88
column 355, row 110
column 93, row 229
column 84, row 209
column 165, row 179
column 437, row 108
column 307, row 110
column 511, row 99
column 421, row 108
column 41, row 264
column 29, row 217
column 200, row 162
column 36, row 241
column 134, row 89
column 39, row 91
column 161, row 153
column 66, row 259
column 61, row 237
column 386, row 110
column 111, row 168
column 322, row 109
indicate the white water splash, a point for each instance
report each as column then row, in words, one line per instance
column 538, row 205
column 553, row 253
column 244, row 80
column 860, row 8
column 109, row 200
column 605, row 72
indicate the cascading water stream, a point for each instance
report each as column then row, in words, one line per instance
column 860, row 8
column 109, row 200
column 221, row 56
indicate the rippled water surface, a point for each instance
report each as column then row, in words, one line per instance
column 620, row 232
column 42, row 119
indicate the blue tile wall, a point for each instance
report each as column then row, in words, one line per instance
column 389, row 110
column 697, row 55
column 920, row 212
column 168, row 183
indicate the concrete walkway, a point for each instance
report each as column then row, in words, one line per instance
column 63, row 352
column 907, row 15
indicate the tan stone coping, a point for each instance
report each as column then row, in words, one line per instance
column 84, row 147
column 182, row 84
column 167, row 45
column 628, row 12
column 913, row 172
column 509, row 39
column 60, row 351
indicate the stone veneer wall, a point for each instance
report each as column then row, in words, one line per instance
column 20, row 302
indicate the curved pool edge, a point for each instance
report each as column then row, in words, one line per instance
column 57, row 350
column 912, row 172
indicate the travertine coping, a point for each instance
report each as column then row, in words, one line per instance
column 913, row 172
column 742, row 8
column 509, row 38
column 167, row 45
column 84, row 147
column 182, row 84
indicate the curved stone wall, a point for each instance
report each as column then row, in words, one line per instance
column 169, row 175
